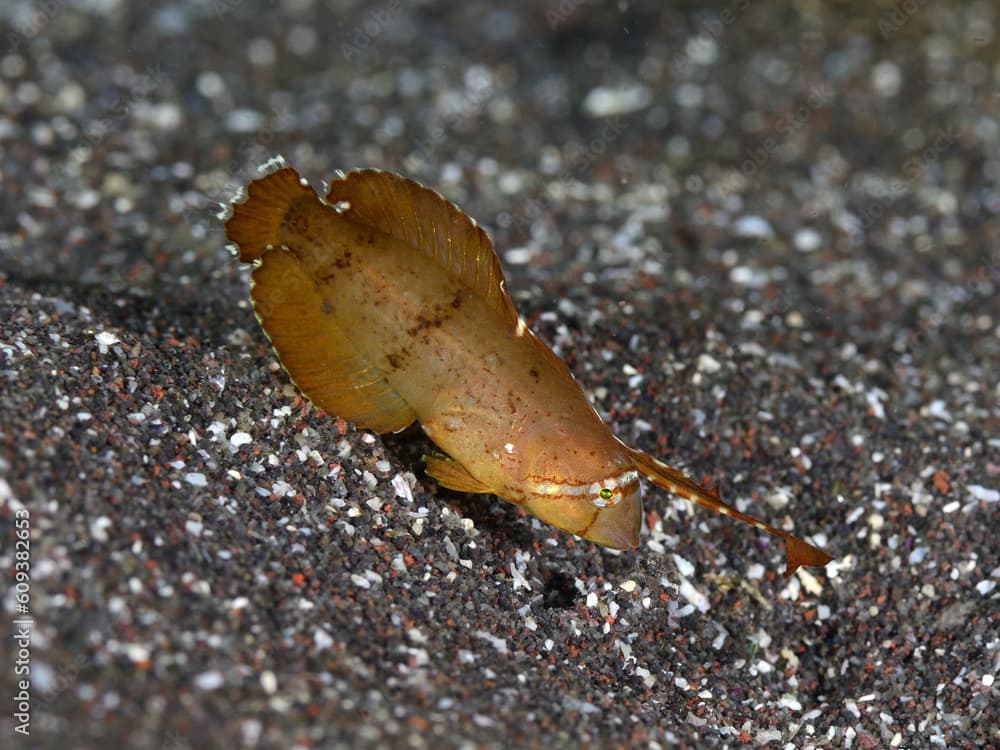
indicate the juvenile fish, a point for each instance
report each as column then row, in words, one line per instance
column 386, row 305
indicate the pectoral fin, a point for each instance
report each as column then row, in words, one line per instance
column 451, row 474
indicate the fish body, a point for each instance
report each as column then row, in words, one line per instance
column 387, row 305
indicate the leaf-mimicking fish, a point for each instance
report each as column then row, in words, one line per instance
column 386, row 305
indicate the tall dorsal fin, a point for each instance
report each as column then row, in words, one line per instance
column 424, row 220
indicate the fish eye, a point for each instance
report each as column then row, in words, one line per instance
column 606, row 492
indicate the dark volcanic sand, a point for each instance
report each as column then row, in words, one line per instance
column 766, row 241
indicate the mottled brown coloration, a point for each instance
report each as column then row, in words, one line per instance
column 386, row 304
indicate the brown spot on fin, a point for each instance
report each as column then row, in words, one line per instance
column 451, row 474
column 316, row 353
column 253, row 225
column 797, row 552
column 425, row 221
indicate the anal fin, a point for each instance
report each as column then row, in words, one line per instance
column 317, row 354
column 451, row 474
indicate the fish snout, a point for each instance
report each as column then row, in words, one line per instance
column 617, row 526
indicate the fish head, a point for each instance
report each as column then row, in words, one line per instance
column 606, row 509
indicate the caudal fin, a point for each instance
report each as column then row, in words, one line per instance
column 254, row 223
column 797, row 552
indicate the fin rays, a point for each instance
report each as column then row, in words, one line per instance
column 421, row 218
column 253, row 224
column 451, row 474
column 797, row 551
column 317, row 354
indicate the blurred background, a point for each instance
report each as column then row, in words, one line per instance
column 861, row 130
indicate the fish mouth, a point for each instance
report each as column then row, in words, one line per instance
column 617, row 526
